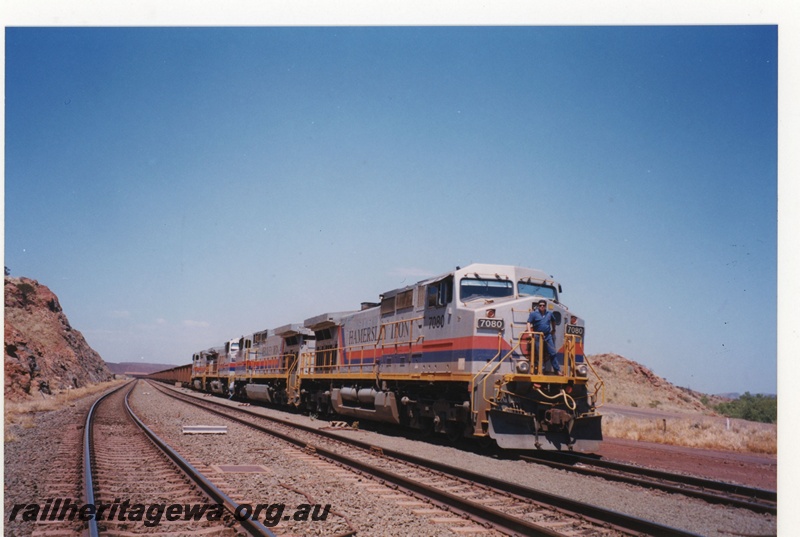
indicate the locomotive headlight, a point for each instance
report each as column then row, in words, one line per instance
column 523, row 366
column 582, row 370
column 490, row 314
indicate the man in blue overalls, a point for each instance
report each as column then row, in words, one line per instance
column 541, row 320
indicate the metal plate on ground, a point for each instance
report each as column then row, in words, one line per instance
column 205, row 429
column 240, row 469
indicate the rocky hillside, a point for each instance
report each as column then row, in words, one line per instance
column 631, row 384
column 43, row 353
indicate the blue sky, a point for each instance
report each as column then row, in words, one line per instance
column 177, row 187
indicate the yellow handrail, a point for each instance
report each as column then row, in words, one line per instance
column 280, row 369
column 599, row 386
column 536, row 358
column 486, row 374
column 357, row 353
column 292, row 388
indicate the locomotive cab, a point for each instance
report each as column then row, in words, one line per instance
column 516, row 397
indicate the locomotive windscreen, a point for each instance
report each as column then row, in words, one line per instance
column 535, row 289
column 472, row 288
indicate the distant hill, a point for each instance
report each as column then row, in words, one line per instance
column 124, row 368
column 632, row 384
column 43, row 352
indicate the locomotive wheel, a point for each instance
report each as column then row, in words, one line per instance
column 324, row 409
column 454, row 432
column 486, row 444
column 428, row 429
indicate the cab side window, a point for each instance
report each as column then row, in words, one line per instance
column 440, row 293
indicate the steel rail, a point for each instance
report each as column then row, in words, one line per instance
column 729, row 488
column 88, row 436
column 711, row 497
column 253, row 527
column 591, row 512
column 476, row 511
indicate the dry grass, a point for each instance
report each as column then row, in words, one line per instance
column 696, row 431
column 630, row 384
column 20, row 413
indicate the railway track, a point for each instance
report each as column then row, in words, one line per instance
column 718, row 492
column 138, row 484
column 509, row 508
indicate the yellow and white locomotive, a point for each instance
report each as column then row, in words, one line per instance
column 450, row 354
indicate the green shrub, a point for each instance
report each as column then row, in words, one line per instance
column 761, row 408
column 28, row 292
